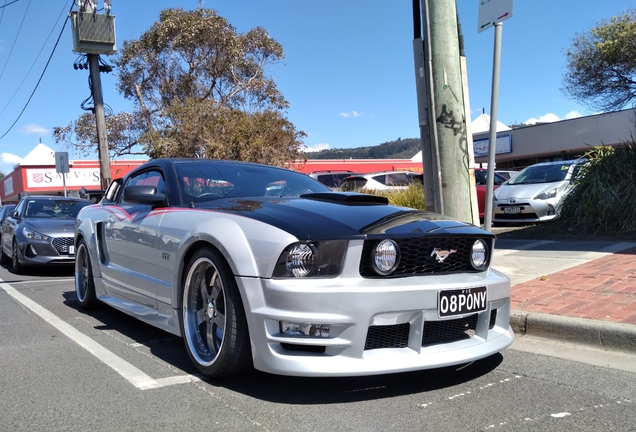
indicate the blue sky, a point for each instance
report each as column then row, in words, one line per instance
column 348, row 72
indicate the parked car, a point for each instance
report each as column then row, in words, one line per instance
column 481, row 176
column 507, row 174
column 322, row 284
column 4, row 212
column 331, row 179
column 379, row 181
column 40, row 230
column 536, row 193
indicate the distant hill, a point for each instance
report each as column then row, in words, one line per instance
column 399, row 149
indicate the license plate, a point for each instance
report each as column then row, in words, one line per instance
column 71, row 250
column 461, row 301
column 512, row 210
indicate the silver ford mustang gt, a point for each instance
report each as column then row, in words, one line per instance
column 262, row 267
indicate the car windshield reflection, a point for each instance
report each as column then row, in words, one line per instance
column 53, row 209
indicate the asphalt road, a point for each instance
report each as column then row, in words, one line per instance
column 64, row 369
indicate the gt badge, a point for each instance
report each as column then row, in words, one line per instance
column 441, row 255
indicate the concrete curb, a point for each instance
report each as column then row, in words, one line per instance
column 601, row 334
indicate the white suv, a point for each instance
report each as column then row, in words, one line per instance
column 385, row 180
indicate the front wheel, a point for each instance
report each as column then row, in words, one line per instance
column 214, row 324
column 84, row 282
column 16, row 267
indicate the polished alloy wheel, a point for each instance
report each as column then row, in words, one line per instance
column 204, row 315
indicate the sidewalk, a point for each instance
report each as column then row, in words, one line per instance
column 582, row 291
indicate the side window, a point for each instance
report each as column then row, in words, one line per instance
column 380, row 179
column 327, row 180
column 148, row 178
column 480, row 177
column 20, row 207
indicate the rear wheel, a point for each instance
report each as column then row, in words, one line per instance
column 214, row 324
column 16, row 267
column 84, row 282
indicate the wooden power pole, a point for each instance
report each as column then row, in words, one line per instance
column 448, row 111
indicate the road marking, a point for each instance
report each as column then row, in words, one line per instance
column 133, row 375
column 44, row 281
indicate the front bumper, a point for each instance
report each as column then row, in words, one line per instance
column 530, row 210
column 58, row 250
column 399, row 316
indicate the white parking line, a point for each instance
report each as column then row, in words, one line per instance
column 43, row 281
column 135, row 376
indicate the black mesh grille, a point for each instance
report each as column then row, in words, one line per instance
column 437, row 332
column 389, row 336
column 493, row 319
column 417, row 255
column 62, row 245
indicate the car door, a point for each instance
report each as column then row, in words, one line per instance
column 9, row 227
column 131, row 244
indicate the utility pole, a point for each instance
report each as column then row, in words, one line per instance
column 447, row 104
column 100, row 121
column 94, row 34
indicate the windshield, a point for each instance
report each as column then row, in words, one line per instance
column 206, row 181
column 54, row 209
column 542, row 174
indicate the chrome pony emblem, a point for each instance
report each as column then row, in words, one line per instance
column 441, row 255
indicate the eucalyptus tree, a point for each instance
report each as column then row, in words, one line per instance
column 601, row 64
column 199, row 88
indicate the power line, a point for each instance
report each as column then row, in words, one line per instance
column 16, row 39
column 36, row 58
column 7, row 4
column 41, row 75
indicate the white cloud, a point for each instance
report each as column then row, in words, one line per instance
column 34, row 129
column 573, row 114
column 8, row 161
column 316, row 148
column 546, row 118
column 350, row 114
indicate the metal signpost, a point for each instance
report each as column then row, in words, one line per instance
column 61, row 166
column 491, row 14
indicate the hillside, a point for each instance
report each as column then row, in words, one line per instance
column 399, row 149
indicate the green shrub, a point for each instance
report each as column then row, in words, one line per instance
column 603, row 200
column 412, row 197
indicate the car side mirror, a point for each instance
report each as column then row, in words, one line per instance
column 143, row 195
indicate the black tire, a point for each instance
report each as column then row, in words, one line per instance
column 213, row 317
column 16, row 267
column 84, row 282
column 4, row 258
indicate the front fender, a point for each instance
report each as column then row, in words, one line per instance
column 249, row 246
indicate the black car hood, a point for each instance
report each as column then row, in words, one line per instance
column 334, row 215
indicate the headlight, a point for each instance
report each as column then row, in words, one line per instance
column 385, row 257
column 479, row 255
column 318, row 259
column 547, row 195
column 34, row 235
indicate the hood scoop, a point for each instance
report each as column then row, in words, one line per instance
column 347, row 198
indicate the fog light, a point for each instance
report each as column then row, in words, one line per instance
column 304, row 329
column 551, row 211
